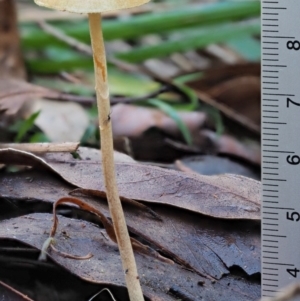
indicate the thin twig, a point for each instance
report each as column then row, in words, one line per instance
column 83, row 100
column 227, row 111
column 42, row 147
column 60, row 35
column 86, row 49
column 19, row 295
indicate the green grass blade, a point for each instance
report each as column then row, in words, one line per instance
column 248, row 47
column 24, row 126
column 137, row 26
column 169, row 20
column 171, row 112
column 195, row 39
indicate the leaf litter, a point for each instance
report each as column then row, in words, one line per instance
column 107, row 225
column 178, row 233
column 175, row 242
column 218, row 196
column 158, row 279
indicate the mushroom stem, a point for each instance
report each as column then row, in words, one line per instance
column 116, row 211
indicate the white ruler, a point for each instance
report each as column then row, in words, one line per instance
column 280, row 144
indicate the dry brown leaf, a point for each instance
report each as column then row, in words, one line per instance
column 204, row 245
column 236, row 91
column 213, row 196
column 242, row 94
column 215, row 76
column 158, row 279
column 14, row 94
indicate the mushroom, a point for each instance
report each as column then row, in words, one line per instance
column 94, row 8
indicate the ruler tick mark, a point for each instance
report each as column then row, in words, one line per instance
column 271, row 168
column 270, row 240
column 270, row 134
column 278, row 180
column 271, row 245
column 280, row 208
column 270, row 122
column 278, row 37
column 277, row 66
column 279, row 94
column 282, row 152
column 277, row 263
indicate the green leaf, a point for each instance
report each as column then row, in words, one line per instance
column 126, row 84
column 24, row 126
column 47, row 66
column 188, row 92
column 171, row 112
column 39, row 137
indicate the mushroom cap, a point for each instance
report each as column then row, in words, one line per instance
column 89, row 6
